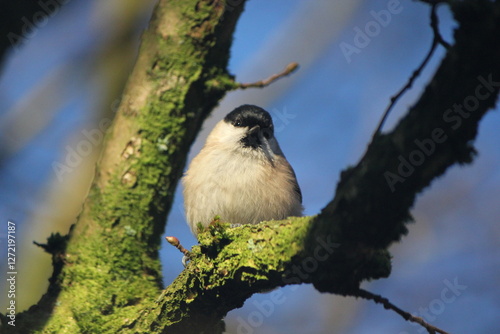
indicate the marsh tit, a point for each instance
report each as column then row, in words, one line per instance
column 241, row 174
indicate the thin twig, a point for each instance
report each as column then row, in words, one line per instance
column 435, row 27
column 175, row 242
column 389, row 306
column 437, row 39
column 408, row 85
column 289, row 69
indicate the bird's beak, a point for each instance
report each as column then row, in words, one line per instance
column 254, row 130
column 254, row 136
column 257, row 134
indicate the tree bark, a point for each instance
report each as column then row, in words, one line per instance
column 108, row 269
column 107, row 278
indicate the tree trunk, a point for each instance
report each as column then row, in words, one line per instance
column 108, row 268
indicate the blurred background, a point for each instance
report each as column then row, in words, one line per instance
column 65, row 82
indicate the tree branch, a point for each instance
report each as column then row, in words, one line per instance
column 371, row 205
column 390, row 306
column 435, row 27
column 289, row 69
column 437, row 39
column 110, row 267
column 373, row 199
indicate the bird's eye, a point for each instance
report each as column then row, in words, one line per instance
column 238, row 123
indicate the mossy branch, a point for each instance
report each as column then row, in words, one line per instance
column 110, row 281
column 111, row 265
column 371, row 206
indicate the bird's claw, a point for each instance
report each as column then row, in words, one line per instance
column 185, row 259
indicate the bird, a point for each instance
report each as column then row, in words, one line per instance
column 241, row 174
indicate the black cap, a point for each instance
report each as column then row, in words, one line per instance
column 249, row 115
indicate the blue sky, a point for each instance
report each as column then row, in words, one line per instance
column 445, row 270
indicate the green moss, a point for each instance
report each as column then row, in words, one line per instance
column 112, row 268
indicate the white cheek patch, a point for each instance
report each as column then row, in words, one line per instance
column 230, row 135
